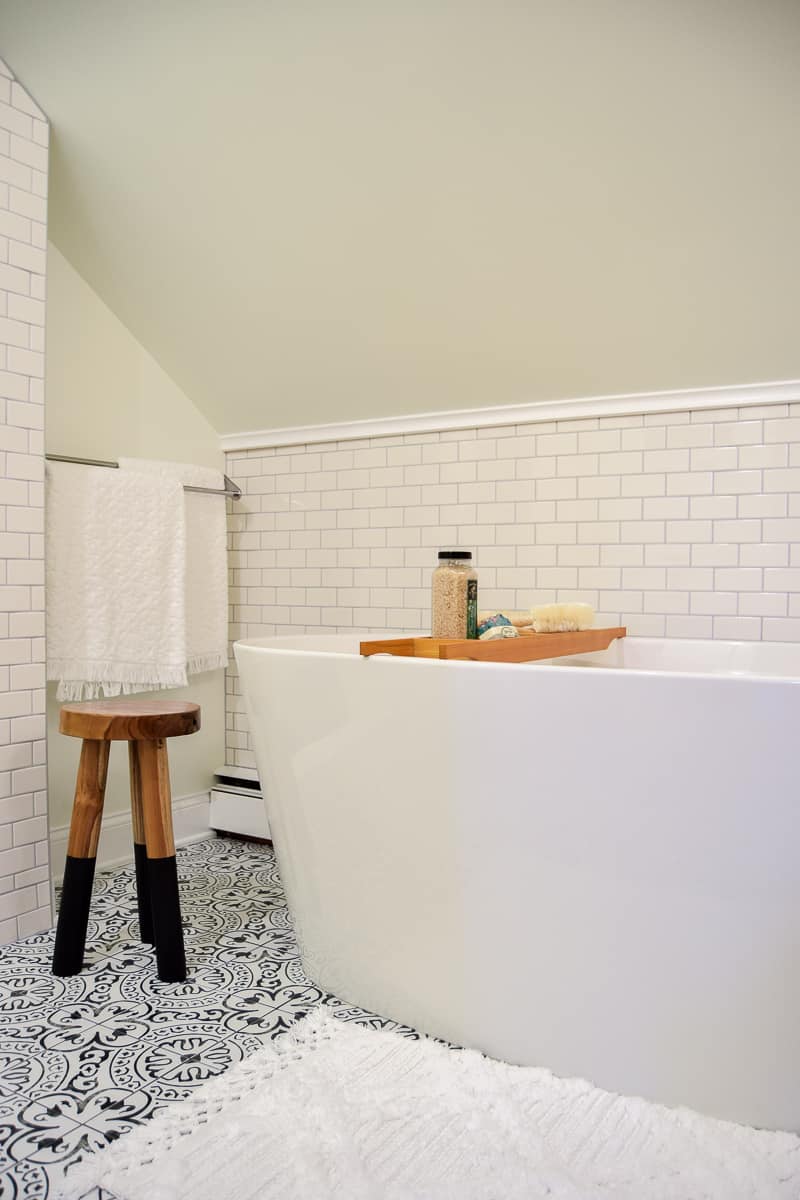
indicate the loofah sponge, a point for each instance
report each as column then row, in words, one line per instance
column 562, row 618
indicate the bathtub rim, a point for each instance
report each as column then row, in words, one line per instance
column 274, row 645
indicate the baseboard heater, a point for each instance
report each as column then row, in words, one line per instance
column 237, row 804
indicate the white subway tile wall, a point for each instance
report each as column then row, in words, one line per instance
column 24, row 870
column 673, row 524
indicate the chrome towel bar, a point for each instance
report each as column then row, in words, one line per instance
column 231, row 489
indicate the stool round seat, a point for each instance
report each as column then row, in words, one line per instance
column 123, row 720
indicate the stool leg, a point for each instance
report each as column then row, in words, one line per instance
column 161, row 868
column 84, row 831
column 139, row 847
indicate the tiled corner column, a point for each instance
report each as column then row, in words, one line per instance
column 24, row 870
column 681, row 524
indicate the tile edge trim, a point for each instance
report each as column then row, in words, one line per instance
column 630, row 404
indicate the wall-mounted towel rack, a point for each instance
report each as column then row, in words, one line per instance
column 231, row 489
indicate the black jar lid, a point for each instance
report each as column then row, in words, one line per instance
column 455, row 554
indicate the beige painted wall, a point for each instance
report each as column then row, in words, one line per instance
column 370, row 209
column 106, row 397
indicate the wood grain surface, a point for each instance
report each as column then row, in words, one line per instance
column 90, row 790
column 137, row 813
column 153, row 783
column 411, row 647
column 526, row 648
column 124, row 720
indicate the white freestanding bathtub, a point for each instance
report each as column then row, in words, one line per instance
column 591, row 865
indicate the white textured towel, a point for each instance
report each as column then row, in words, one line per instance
column 206, row 578
column 116, row 552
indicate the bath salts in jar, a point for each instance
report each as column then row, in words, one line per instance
column 454, row 596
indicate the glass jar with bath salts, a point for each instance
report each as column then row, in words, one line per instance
column 454, row 596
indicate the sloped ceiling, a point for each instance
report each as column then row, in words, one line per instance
column 326, row 209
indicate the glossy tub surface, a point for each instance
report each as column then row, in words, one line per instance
column 591, row 866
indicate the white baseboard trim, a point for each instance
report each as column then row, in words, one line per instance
column 189, row 819
column 239, row 812
column 630, row 404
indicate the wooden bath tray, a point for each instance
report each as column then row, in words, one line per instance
column 526, row 648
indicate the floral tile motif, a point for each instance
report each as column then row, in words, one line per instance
column 188, row 1056
column 11, row 1109
column 55, row 1131
column 84, row 1059
column 29, row 990
column 27, row 1181
column 90, row 1070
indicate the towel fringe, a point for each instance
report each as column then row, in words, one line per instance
column 79, row 680
column 206, row 662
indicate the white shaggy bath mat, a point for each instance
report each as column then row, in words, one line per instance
column 333, row 1111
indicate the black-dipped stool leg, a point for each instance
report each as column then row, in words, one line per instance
column 165, row 905
column 84, row 832
column 168, row 928
column 143, row 894
column 73, row 916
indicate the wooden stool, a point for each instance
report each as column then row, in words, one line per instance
column 144, row 725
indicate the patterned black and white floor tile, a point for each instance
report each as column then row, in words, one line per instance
column 85, row 1059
